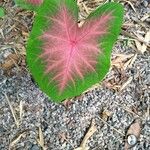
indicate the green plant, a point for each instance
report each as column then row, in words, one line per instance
column 66, row 60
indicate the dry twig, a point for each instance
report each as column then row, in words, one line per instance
column 16, row 140
column 12, row 111
column 90, row 132
column 41, row 139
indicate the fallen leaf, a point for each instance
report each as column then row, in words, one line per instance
column 133, row 132
column 122, row 61
column 10, row 62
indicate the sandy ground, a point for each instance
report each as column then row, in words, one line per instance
column 30, row 121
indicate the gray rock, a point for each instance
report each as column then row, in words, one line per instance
column 35, row 147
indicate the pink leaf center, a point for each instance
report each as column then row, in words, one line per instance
column 69, row 51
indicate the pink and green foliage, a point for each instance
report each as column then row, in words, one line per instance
column 64, row 59
column 72, row 52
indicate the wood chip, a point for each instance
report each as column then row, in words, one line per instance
column 105, row 114
column 146, row 16
column 126, row 83
column 132, row 61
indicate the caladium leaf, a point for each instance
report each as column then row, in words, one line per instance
column 29, row 4
column 72, row 51
column 66, row 60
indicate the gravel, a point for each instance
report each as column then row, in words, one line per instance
column 64, row 125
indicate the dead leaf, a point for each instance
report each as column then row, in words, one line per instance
column 122, row 61
column 10, row 62
column 133, row 131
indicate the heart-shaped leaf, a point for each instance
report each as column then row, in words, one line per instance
column 66, row 60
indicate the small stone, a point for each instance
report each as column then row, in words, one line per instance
column 35, row 147
column 145, row 3
column 132, row 140
column 2, row 130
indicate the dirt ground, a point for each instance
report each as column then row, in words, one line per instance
column 113, row 115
